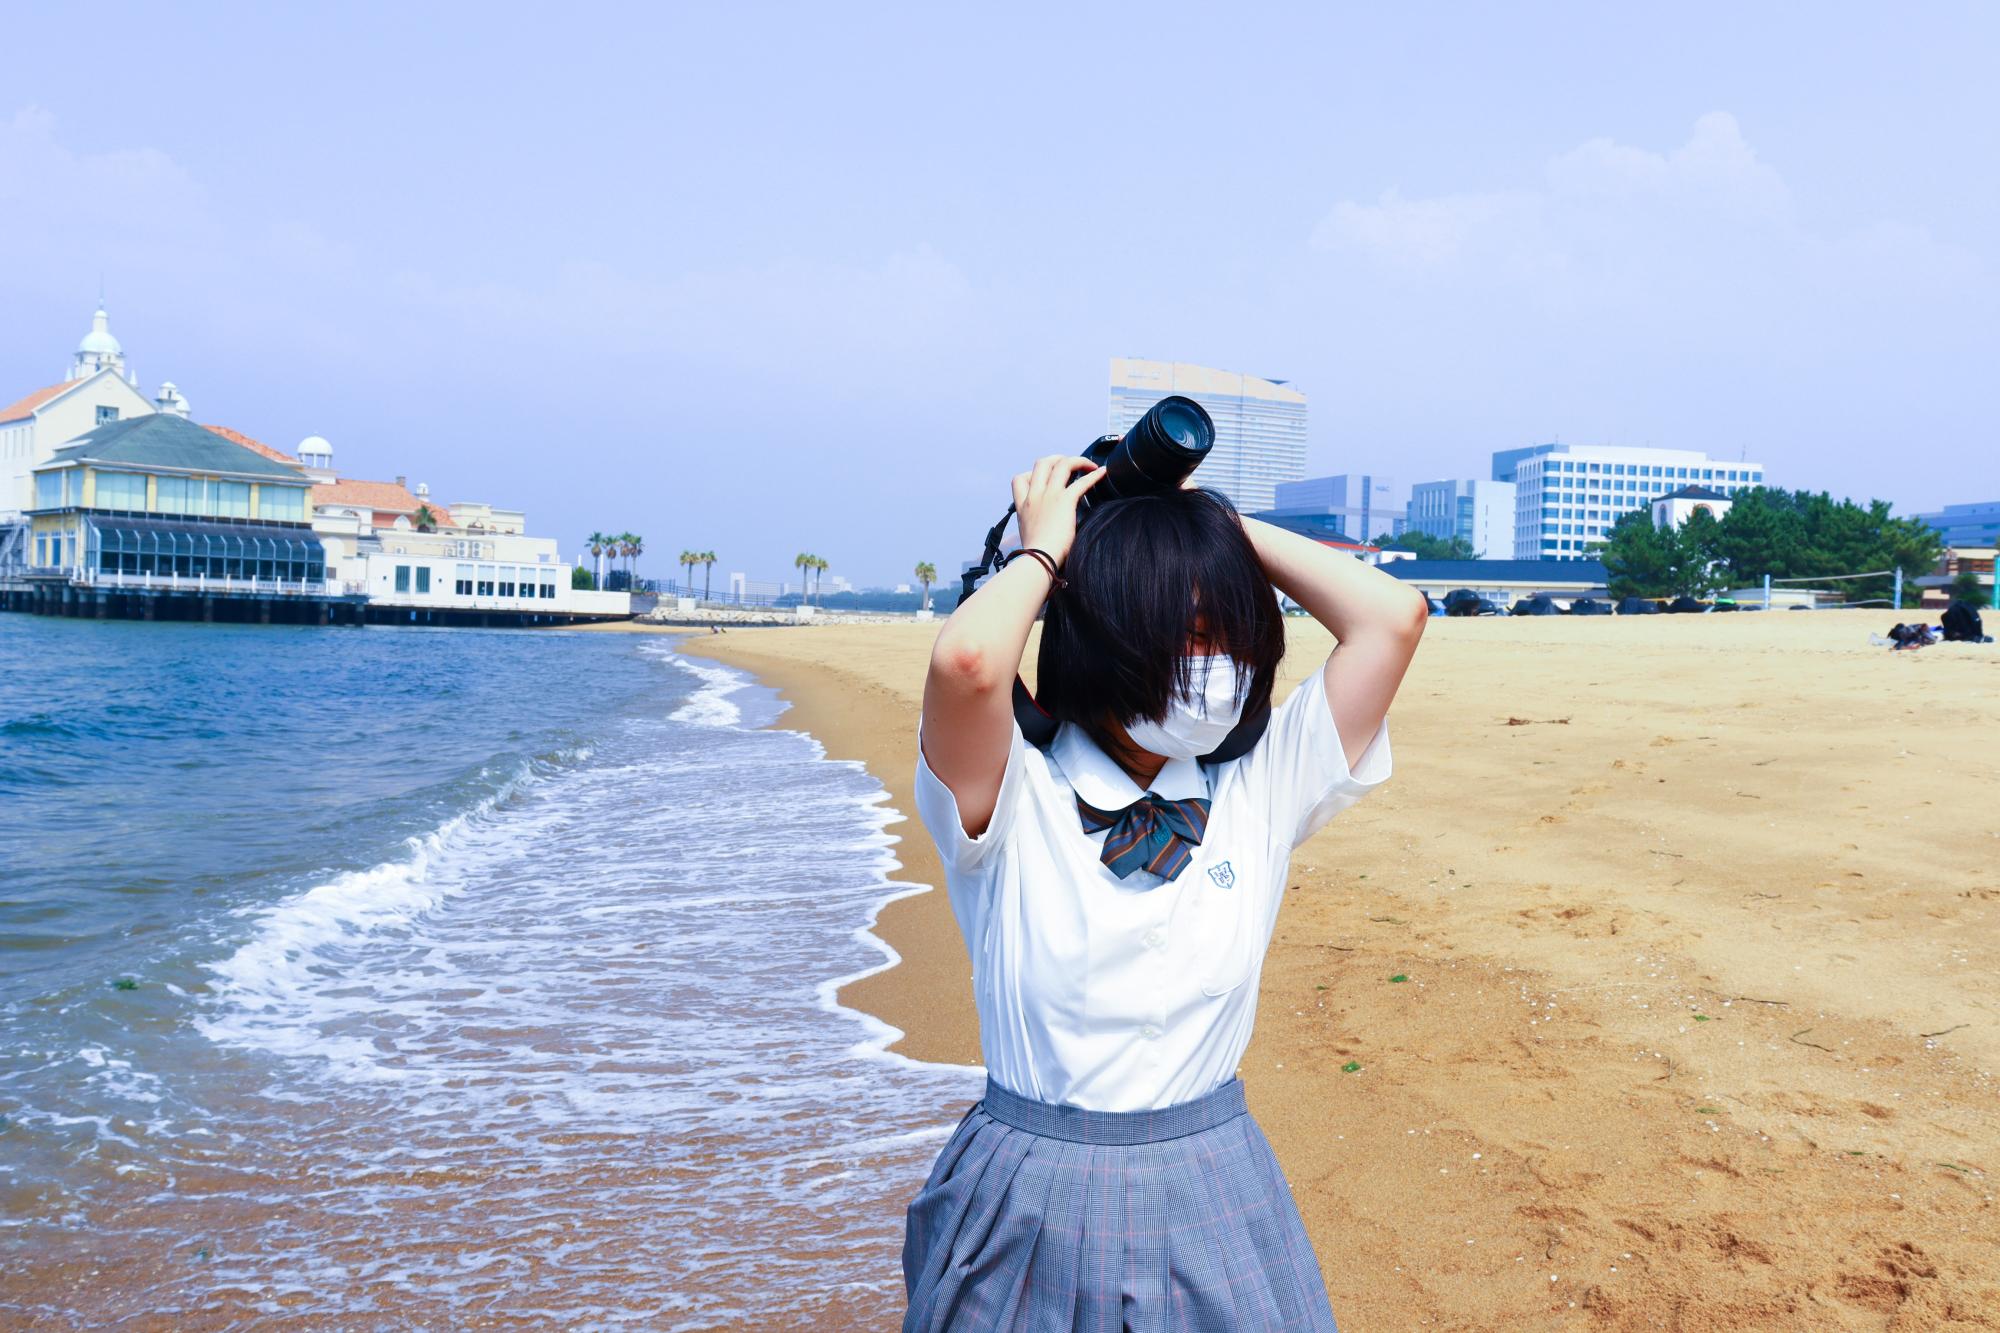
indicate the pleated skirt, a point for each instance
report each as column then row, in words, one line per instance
column 1039, row 1217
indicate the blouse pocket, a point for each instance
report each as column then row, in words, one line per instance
column 1220, row 922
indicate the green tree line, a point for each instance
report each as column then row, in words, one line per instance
column 1786, row 534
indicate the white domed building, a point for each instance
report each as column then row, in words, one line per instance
column 99, row 351
column 97, row 388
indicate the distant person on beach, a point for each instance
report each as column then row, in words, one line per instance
column 1117, row 894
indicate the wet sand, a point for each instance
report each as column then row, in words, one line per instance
column 1699, row 919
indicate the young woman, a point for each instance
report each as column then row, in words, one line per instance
column 1117, row 895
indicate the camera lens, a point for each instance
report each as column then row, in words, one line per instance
column 1160, row 450
column 1176, row 420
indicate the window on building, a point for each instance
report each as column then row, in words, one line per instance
column 232, row 499
column 423, row 578
column 282, row 504
column 170, row 495
column 105, row 414
column 121, row 490
column 48, row 490
column 548, row 591
column 402, row 578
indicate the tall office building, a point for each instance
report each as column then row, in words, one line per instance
column 1260, row 424
column 1566, row 497
column 1482, row 512
column 1365, row 506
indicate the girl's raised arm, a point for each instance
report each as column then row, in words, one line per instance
column 1377, row 620
column 968, row 718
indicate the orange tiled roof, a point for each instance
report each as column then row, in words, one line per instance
column 377, row 497
column 16, row 411
column 238, row 437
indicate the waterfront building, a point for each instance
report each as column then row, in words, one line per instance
column 418, row 561
column 115, row 504
column 97, row 389
column 1975, row 524
column 1480, row 512
column 1260, row 424
column 1362, row 505
column 157, row 516
column 1505, row 581
column 1567, row 497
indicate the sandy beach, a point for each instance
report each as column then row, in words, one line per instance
column 1699, row 919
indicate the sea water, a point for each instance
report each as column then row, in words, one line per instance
column 430, row 978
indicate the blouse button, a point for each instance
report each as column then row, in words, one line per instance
column 1154, row 939
column 1149, row 1032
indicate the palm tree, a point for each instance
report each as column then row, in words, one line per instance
column 687, row 562
column 819, row 569
column 707, row 570
column 803, row 562
column 926, row 575
column 638, row 549
column 598, row 544
column 427, row 519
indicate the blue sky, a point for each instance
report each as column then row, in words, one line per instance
column 765, row 279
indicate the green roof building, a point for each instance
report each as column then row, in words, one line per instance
column 158, row 514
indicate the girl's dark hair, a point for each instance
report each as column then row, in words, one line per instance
column 1144, row 573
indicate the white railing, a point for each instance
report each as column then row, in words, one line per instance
column 201, row 583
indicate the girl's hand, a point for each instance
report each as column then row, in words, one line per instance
column 1045, row 498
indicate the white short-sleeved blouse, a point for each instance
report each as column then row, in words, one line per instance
column 1133, row 994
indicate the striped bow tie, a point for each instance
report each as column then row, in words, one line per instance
column 1152, row 833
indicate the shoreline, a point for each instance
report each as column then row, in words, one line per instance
column 1671, row 1053
column 925, row 993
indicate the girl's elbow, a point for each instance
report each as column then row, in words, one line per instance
column 1416, row 614
column 966, row 667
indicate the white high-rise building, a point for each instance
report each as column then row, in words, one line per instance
column 1566, row 497
column 1260, row 424
column 1482, row 512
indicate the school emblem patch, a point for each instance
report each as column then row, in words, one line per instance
column 1223, row 875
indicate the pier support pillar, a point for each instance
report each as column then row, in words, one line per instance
column 263, row 613
column 208, row 610
column 323, row 617
column 147, row 605
column 102, row 607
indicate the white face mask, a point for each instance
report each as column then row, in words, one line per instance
column 1199, row 720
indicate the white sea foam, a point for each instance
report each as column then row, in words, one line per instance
column 599, row 1009
column 711, row 705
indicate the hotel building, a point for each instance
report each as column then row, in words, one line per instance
column 1568, row 496
column 1480, row 512
column 1260, row 424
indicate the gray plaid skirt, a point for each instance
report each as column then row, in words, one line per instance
column 1043, row 1217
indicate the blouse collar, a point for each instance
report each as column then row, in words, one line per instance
column 1099, row 780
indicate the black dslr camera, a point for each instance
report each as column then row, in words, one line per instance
column 1153, row 457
